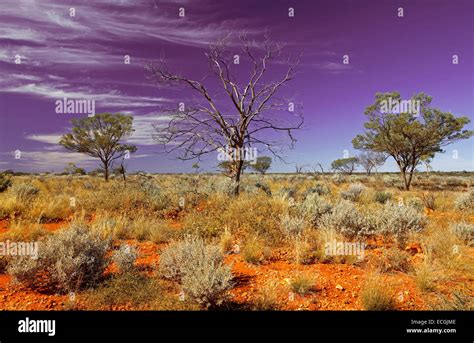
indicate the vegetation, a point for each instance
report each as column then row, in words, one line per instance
column 99, row 136
column 409, row 137
column 68, row 261
column 262, row 164
column 345, row 165
column 185, row 242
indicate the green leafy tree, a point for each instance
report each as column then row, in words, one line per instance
column 262, row 164
column 345, row 165
column 100, row 137
column 409, row 136
column 71, row 168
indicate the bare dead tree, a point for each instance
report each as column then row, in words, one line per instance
column 237, row 118
column 299, row 168
column 317, row 170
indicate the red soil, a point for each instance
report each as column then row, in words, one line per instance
column 336, row 286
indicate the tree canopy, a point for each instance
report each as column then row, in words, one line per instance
column 100, row 136
column 345, row 165
column 408, row 136
column 262, row 164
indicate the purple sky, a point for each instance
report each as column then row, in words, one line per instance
column 81, row 57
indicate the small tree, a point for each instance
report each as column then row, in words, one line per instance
column 408, row 136
column 262, row 164
column 100, row 137
column 71, row 168
column 345, row 165
column 370, row 160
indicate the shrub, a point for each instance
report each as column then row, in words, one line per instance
column 254, row 251
column 266, row 299
column 313, row 208
column 200, row 269
column 425, row 277
column 382, row 197
column 398, row 221
column 5, row 182
column 354, row 192
column 319, row 189
column 292, row 226
column 338, row 178
column 287, row 193
column 429, row 200
column 393, row 259
column 415, row 203
column 157, row 198
column 69, row 260
column 225, row 186
column 208, row 283
column 304, row 251
column 464, row 231
column 465, row 201
column 301, row 284
column 24, row 192
column 443, row 246
column 375, row 295
column 125, row 258
column 226, row 241
column 345, row 219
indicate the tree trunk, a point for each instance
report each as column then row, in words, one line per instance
column 403, row 170
column 236, row 177
column 106, row 171
column 407, row 178
column 410, row 177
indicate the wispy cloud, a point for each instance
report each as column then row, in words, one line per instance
column 144, row 126
column 109, row 99
column 52, row 160
column 52, row 138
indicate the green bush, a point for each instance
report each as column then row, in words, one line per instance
column 382, row 197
